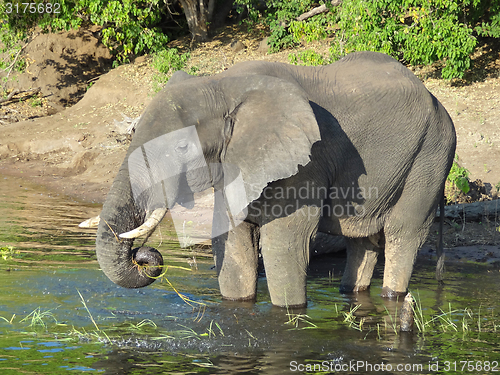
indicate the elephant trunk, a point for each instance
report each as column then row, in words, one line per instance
column 125, row 266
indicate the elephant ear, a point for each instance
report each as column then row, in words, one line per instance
column 270, row 132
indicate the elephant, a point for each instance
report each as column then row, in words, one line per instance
column 358, row 148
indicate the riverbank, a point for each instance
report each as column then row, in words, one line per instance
column 77, row 150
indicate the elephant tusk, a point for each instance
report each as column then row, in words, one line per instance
column 90, row 223
column 148, row 226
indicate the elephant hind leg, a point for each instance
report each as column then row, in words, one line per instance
column 362, row 254
column 236, row 258
column 400, row 252
column 407, row 227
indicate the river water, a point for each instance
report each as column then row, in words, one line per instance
column 59, row 313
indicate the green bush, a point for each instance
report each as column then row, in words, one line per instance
column 167, row 61
column 315, row 28
column 285, row 31
column 412, row 31
column 492, row 27
column 10, row 46
column 459, row 176
column 307, row 58
column 416, row 31
column 129, row 26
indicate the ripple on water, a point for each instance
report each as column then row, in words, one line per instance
column 47, row 329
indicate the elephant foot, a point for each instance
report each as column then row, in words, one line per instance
column 347, row 289
column 250, row 298
column 391, row 294
column 299, row 308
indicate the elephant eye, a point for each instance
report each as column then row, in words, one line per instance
column 182, row 147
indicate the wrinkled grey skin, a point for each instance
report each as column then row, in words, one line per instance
column 363, row 122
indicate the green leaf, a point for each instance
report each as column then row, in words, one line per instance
column 463, row 184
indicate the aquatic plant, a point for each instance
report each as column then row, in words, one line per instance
column 8, row 252
column 38, row 318
column 297, row 319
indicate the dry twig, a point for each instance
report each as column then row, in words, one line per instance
column 15, row 92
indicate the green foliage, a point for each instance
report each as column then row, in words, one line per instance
column 315, row 28
column 36, row 102
column 168, row 61
column 414, row 31
column 285, row 30
column 129, row 26
column 459, row 176
column 492, row 28
column 280, row 38
column 8, row 252
column 10, row 46
column 252, row 6
column 307, row 58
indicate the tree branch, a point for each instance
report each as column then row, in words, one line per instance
column 12, row 93
column 15, row 91
column 318, row 10
column 312, row 12
column 476, row 211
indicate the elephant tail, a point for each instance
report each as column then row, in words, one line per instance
column 440, row 250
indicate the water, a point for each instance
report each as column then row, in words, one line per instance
column 59, row 313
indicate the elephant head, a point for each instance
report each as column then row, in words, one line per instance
column 192, row 130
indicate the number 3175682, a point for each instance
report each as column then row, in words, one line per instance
column 32, row 8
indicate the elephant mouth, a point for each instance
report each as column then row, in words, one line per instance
column 148, row 261
column 149, row 225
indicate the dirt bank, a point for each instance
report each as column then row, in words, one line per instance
column 78, row 149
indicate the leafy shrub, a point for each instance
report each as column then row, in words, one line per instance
column 285, row 31
column 315, row 28
column 10, row 44
column 129, row 26
column 415, row 31
column 307, row 58
column 412, row 31
column 280, row 38
column 167, row 61
column 10, row 49
column 459, row 177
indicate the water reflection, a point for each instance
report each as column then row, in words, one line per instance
column 151, row 330
column 37, row 221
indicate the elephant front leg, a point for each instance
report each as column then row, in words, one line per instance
column 285, row 251
column 236, row 257
column 362, row 257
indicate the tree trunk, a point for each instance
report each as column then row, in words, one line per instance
column 210, row 10
column 196, row 16
column 219, row 16
column 476, row 211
